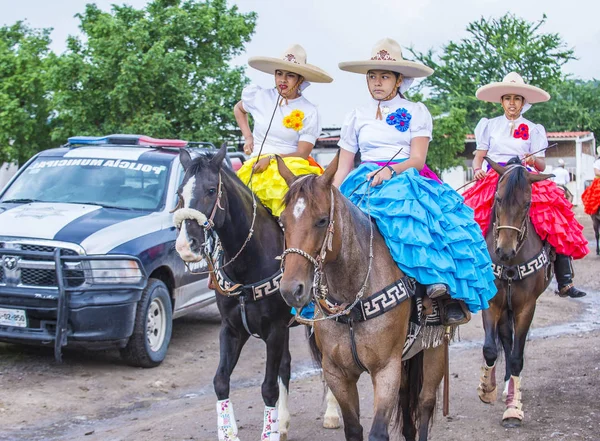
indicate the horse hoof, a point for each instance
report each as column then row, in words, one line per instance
column 282, row 436
column 512, row 423
column 487, row 397
column 331, row 422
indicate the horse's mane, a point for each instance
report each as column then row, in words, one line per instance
column 203, row 161
column 306, row 184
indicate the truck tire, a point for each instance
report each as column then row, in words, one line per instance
column 147, row 346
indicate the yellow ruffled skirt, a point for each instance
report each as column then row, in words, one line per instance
column 269, row 186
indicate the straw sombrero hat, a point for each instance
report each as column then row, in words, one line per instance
column 292, row 60
column 387, row 55
column 511, row 84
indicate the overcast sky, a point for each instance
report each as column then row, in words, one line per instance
column 342, row 30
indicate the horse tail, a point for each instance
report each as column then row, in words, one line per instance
column 413, row 370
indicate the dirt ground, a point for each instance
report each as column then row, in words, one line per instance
column 94, row 396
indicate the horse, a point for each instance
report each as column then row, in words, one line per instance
column 246, row 277
column 567, row 192
column 336, row 255
column 523, row 268
column 596, row 222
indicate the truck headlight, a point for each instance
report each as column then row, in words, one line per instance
column 115, row 271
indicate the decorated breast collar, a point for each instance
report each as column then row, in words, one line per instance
column 376, row 304
column 253, row 291
column 523, row 270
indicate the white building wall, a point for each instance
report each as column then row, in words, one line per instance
column 7, row 171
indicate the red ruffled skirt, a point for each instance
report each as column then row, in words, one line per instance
column 551, row 214
column 591, row 197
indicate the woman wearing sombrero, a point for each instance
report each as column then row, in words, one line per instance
column 285, row 124
column 431, row 234
column 510, row 135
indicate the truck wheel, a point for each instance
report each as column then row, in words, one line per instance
column 147, row 346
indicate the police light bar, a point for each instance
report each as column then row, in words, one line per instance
column 139, row 140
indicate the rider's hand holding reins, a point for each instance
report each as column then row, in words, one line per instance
column 378, row 176
column 262, row 164
column 479, row 173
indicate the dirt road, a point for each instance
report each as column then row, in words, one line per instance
column 93, row 396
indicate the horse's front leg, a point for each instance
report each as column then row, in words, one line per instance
column 505, row 331
column 346, row 393
column 270, row 388
column 487, row 390
column 386, row 385
column 284, row 387
column 231, row 344
column 513, row 415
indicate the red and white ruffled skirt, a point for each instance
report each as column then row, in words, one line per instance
column 551, row 214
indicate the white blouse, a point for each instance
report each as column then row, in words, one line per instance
column 380, row 140
column 597, row 164
column 497, row 137
column 260, row 103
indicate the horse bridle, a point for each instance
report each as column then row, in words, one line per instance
column 207, row 224
column 497, row 227
column 320, row 289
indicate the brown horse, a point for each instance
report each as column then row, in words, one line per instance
column 334, row 252
column 523, row 269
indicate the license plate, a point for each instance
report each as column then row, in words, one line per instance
column 13, row 317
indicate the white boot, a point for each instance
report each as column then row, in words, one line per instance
column 270, row 425
column 226, row 425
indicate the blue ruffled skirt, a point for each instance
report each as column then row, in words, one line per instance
column 430, row 232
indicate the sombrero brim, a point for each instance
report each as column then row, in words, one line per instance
column 308, row 71
column 407, row 68
column 494, row 92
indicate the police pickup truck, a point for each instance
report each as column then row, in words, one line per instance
column 87, row 255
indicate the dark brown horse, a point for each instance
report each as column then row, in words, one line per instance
column 596, row 223
column 336, row 255
column 523, row 271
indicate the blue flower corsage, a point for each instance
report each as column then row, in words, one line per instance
column 399, row 119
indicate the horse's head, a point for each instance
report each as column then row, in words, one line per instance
column 309, row 231
column 511, row 206
column 200, row 202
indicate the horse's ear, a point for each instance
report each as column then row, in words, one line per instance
column 537, row 177
column 185, row 158
column 217, row 160
column 285, row 172
column 331, row 169
column 497, row 167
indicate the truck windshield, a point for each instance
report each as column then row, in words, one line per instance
column 128, row 185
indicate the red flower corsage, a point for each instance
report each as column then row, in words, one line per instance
column 522, row 132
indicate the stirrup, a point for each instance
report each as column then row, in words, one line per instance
column 436, row 290
column 464, row 319
column 570, row 291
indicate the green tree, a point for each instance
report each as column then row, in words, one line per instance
column 24, row 98
column 449, row 133
column 161, row 70
column 493, row 48
column 574, row 106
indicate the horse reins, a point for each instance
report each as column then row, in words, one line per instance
column 182, row 214
column 319, row 288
